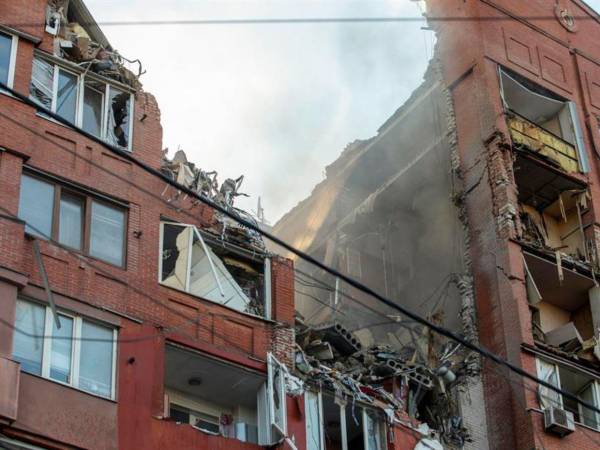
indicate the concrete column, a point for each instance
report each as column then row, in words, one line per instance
column 594, row 294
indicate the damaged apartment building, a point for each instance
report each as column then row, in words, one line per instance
column 132, row 314
column 475, row 206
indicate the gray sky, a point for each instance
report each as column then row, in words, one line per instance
column 276, row 103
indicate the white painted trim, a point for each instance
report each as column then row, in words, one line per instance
column 103, row 131
column 189, row 259
column 77, row 352
column 321, row 421
column 12, row 61
column 54, row 88
column 579, row 141
column 343, row 429
column 113, row 387
column 161, row 232
column 131, row 119
column 47, row 343
column 80, row 97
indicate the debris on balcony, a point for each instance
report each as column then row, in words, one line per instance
column 543, row 123
column 553, row 207
column 398, row 381
column 79, row 40
column 205, row 183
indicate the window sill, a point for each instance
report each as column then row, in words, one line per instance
column 69, row 386
column 229, row 308
column 8, row 94
column 71, row 127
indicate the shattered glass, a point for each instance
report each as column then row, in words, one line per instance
column 119, row 117
column 42, row 80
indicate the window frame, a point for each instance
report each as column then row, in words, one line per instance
column 80, row 100
column 538, row 365
column 318, row 397
column 579, row 144
column 595, row 386
column 194, row 231
column 75, row 348
column 12, row 60
column 380, row 429
column 88, row 198
column 273, row 363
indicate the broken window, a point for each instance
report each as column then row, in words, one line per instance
column 552, row 208
column 119, row 118
column 230, row 400
column 42, row 83
column 81, row 353
column 543, row 122
column 331, row 424
column 560, row 298
column 213, row 272
column 86, row 101
column 8, row 46
column 579, row 383
column 56, row 211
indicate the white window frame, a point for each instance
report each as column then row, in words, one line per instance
column 80, row 86
column 538, row 365
column 193, row 230
column 75, row 349
column 595, row 385
column 380, row 427
column 584, row 165
column 310, row 396
column 12, row 61
column 272, row 363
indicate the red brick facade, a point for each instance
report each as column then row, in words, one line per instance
column 147, row 314
column 528, row 39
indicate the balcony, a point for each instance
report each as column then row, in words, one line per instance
column 536, row 139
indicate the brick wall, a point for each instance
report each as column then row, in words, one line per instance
column 134, row 292
column 566, row 63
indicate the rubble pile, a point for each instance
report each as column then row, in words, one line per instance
column 397, row 381
column 204, row 183
column 81, row 42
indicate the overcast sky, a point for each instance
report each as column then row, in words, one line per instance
column 276, row 103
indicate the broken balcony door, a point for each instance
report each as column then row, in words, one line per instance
column 189, row 264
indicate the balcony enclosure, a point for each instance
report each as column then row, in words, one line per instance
column 543, row 123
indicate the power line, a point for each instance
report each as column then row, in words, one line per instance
column 310, row 20
column 252, row 226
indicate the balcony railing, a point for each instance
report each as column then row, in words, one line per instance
column 538, row 140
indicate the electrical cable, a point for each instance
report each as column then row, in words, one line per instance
column 308, row 20
column 254, row 227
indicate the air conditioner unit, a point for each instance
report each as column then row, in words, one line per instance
column 558, row 421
